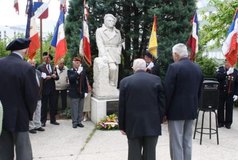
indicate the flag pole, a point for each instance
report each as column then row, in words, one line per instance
column 41, row 46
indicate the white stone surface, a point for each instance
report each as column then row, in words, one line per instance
column 60, row 142
column 101, row 87
column 99, row 108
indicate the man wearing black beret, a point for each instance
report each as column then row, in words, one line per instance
column 18, row 94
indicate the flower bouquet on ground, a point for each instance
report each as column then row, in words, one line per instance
column 110, row 122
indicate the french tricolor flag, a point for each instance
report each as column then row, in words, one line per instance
column 58, row 40
column 192, row 42
column 84, row 45
column 230, row 46
column 31, row 31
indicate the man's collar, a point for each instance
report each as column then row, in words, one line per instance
column 19, row 54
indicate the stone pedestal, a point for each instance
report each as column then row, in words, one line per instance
column 101, row 87
column 99, row 108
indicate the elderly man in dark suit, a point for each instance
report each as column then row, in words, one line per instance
column 49, row 76
column 141, row 108
column 227, row 76
column 183, row 82
column 18, row 93
column 77, row 88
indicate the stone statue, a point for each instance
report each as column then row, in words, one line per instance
column 109, row 44
column 106, row 67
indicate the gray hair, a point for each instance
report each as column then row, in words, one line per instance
column 139, row 64
column 180, row 49
column 110, row 15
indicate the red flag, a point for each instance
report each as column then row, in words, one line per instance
column 31, row 31
column 230, row 46
column 192, row 42
column 16, row 6
column 84, row 46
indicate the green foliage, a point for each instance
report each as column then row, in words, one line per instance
column 208, row 67
column 217, row 24
column 3, row 51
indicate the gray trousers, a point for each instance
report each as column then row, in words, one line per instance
column 143, row 148
column 18, row 140
column 36, row 123
column 76, row 110
column 180, row 138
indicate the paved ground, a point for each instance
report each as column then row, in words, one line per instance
column 65, row 143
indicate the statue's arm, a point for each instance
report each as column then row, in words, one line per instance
column 100, row 44
column 120, row 43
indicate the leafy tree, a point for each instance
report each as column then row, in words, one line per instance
column 208, row 67
column 218, row 22
column 135, row 19
column 3, row 51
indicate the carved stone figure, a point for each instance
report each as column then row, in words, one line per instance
column 109, row 44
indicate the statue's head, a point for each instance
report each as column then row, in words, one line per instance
column 109, row 20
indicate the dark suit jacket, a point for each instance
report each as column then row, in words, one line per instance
column 75, row 82
column 48, row 85
column 183, row 82
column 141, row 105
column 18, row 92
column 227, row 83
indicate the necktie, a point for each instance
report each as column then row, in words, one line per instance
column 48, row 68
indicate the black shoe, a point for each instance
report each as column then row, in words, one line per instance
column 33, row 131
column 80, row 125
column 74, row 126
column 228, row 126
column 54, row 123
column 40, row 129
column 220, row 125
column 43, row 125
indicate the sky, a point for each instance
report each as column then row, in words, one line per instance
column 9, row 17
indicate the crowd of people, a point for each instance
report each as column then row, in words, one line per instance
column 28, row 92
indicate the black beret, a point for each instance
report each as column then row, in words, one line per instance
column 148, row 54
column 77, row 59
column 47, row 54
column 18, row 44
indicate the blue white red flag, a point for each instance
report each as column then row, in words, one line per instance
column 230, row 46
column 31, row 31
column 41, row 9
column 84, row 46
column 192, row 42
column 63, row 6
column 58, row 40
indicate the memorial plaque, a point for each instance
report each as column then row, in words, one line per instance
column 112, row 107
